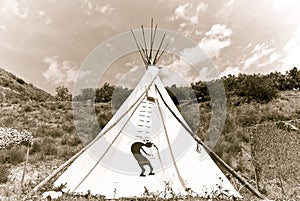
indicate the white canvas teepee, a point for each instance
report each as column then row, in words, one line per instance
column 146, row 133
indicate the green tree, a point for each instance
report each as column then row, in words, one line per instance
column 201, row 91
column 293, row 78
column 120, row 94
column 256, row 87
column 104, row 93
column 62, row 94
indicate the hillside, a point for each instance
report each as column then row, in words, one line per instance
column 260, row 140
column 13, row 88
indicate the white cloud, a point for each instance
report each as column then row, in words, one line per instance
column 91, row 6
column 275, row 56
column 188, row 12
column 291, row 52
column 106, row 9
column 180, row 11
column 45, row 18
column 187, row 72
column 216, row 39
column 57, row 73
column 230, row 70
column 219, row 31
column 41, row 13
column 3, row 27
column 213, row 46
column 86, row 4
column 16, row 7
column 261, row 55
column 188, row 15
column 285, row 5
column 182, row 68
column 230, row 2
column 134, row 67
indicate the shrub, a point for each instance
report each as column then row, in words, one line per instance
column 62, row 94
column 48, row 146
column 68, row 128
column 104, row 94
column 53, row 107
column 20, row 81
column 13, row 156
column 69, row 116
column 17, row 155
column 235, row 147
column 28, row 108
column 15, row 101
column 70, row 140
column 8, row 121
column 36, row 147
column 41, row 131
column 50, row 149
column 4, row 172
column 103, row 119
column 60, row 106
column 245, row 137
column 257, row 88
column 55, row 132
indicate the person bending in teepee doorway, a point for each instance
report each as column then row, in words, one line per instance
column 136, row 149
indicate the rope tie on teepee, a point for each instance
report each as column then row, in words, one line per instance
column 159, row 158
column 170, row 148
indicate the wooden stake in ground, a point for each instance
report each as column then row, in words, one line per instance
column 25, row 165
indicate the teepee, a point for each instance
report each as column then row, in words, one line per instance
column 147, row 146
column 145, row 134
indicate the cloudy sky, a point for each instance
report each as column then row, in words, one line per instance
column 46, row 42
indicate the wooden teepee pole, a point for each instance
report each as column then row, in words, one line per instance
column 213, row 154
column 230, row 169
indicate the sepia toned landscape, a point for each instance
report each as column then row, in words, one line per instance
column 149, row 100
column 260, row 139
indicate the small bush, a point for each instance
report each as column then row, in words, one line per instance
column 68, row 128
column 8, row 121
column 15, row 101
column 103, row 119
column 41, row 131
column 235, row 147
column 28, row 108
column 50, row 149
column 60, row 106
column 36, row 147
column 69, row 116
column 52, row 107
column 48, row 146
column 17, row 155
column 4, row 172
column 257, row 88
column 20, row 81
column 13, row 156
column 71, row 141
column 66, row 152
column 245, row 137
column 55, row 132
